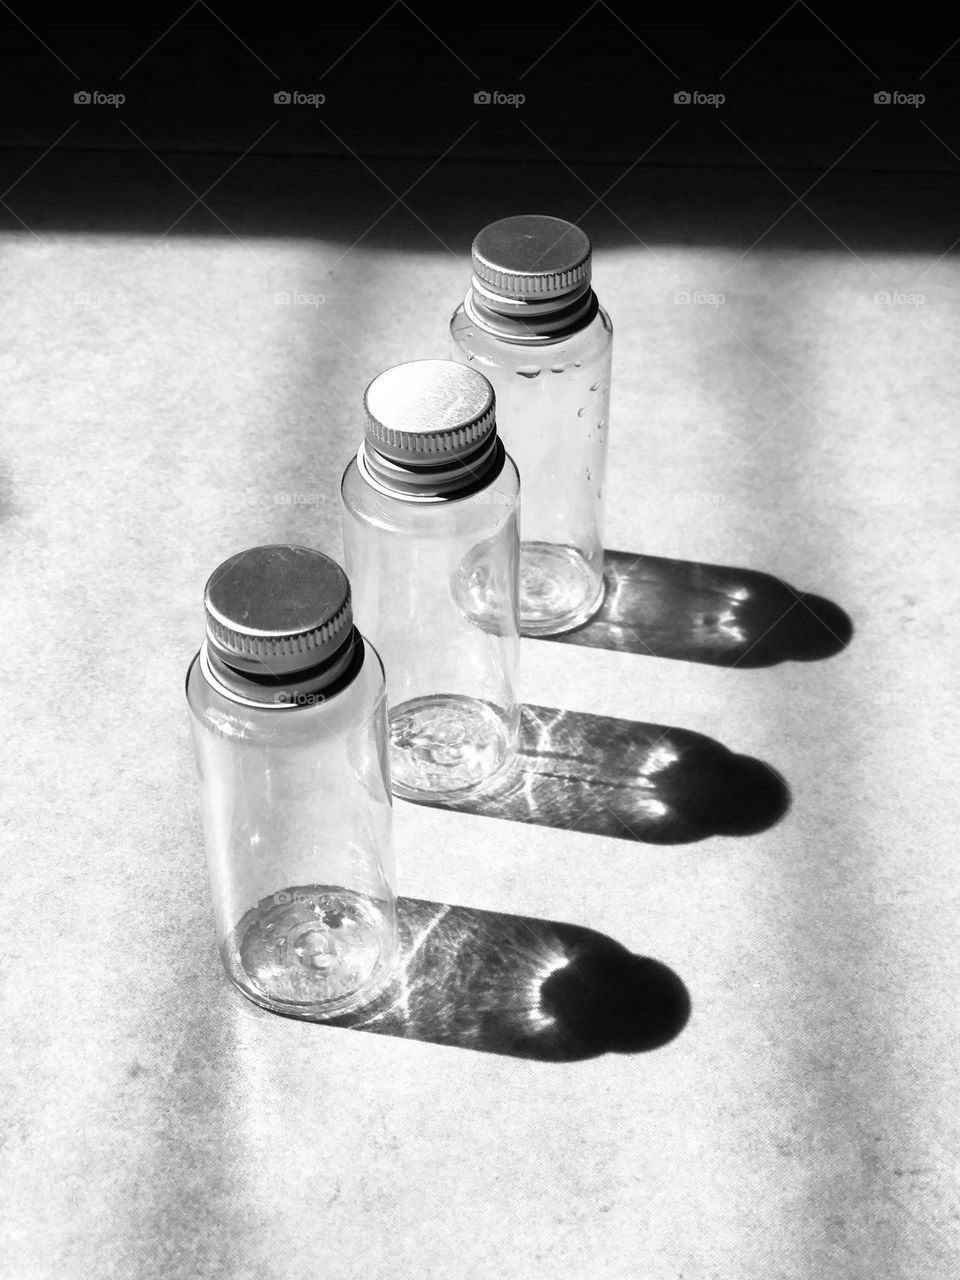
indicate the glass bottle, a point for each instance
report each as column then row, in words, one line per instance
column 531, row 323
column 288, row 713
column 431, row 539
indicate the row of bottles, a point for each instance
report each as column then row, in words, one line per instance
column 318, row 695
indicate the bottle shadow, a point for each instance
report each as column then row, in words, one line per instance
column 521, row 986
column 610, row 777
column 709, row 613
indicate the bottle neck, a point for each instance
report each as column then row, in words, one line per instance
column 414, row 482
column 300, row 688
column 526, row 320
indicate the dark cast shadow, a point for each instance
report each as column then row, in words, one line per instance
column 521, row 986
column 709, row 613
column 611, row 777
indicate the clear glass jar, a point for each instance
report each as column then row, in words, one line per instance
column 288, row 712
column 531, row 323
column 431, row 542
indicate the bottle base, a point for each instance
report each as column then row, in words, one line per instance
column 447, row 743
column 558, row 589
column 313, row 952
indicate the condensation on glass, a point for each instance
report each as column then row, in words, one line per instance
column 431, row 538
column 288, row 712
column 532, row 324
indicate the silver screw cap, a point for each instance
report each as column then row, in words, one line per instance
column 431, row 431
column 277, row 610
column 532, row 257
column 429, row 411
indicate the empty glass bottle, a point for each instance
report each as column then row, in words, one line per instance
column 431, row 539
column 531, row 323
column 288, row 714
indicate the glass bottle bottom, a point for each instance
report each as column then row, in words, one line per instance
column 558, row 589
column 312, row 951
column 447, row 743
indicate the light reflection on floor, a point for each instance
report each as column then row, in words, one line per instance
column 709, row 613
column 521, row 986
column 651, row 783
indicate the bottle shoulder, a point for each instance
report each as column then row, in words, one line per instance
column 397, row 513
column 482, row 349
column 362, row 502
column 350, row 479
column 288, row 724
column 508, row 481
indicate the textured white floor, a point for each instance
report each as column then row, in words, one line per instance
column 161, row 411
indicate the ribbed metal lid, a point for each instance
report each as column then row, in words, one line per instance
column 277, row 610
column 429, row 412
column 532, row 257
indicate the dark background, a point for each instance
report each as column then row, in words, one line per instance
column 399, row 81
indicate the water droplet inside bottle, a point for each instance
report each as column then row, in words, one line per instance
column 449, row 730
column 581, row 412
column 313, row 947
column 594, row 386
column 529, row 371
column 557, row 368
